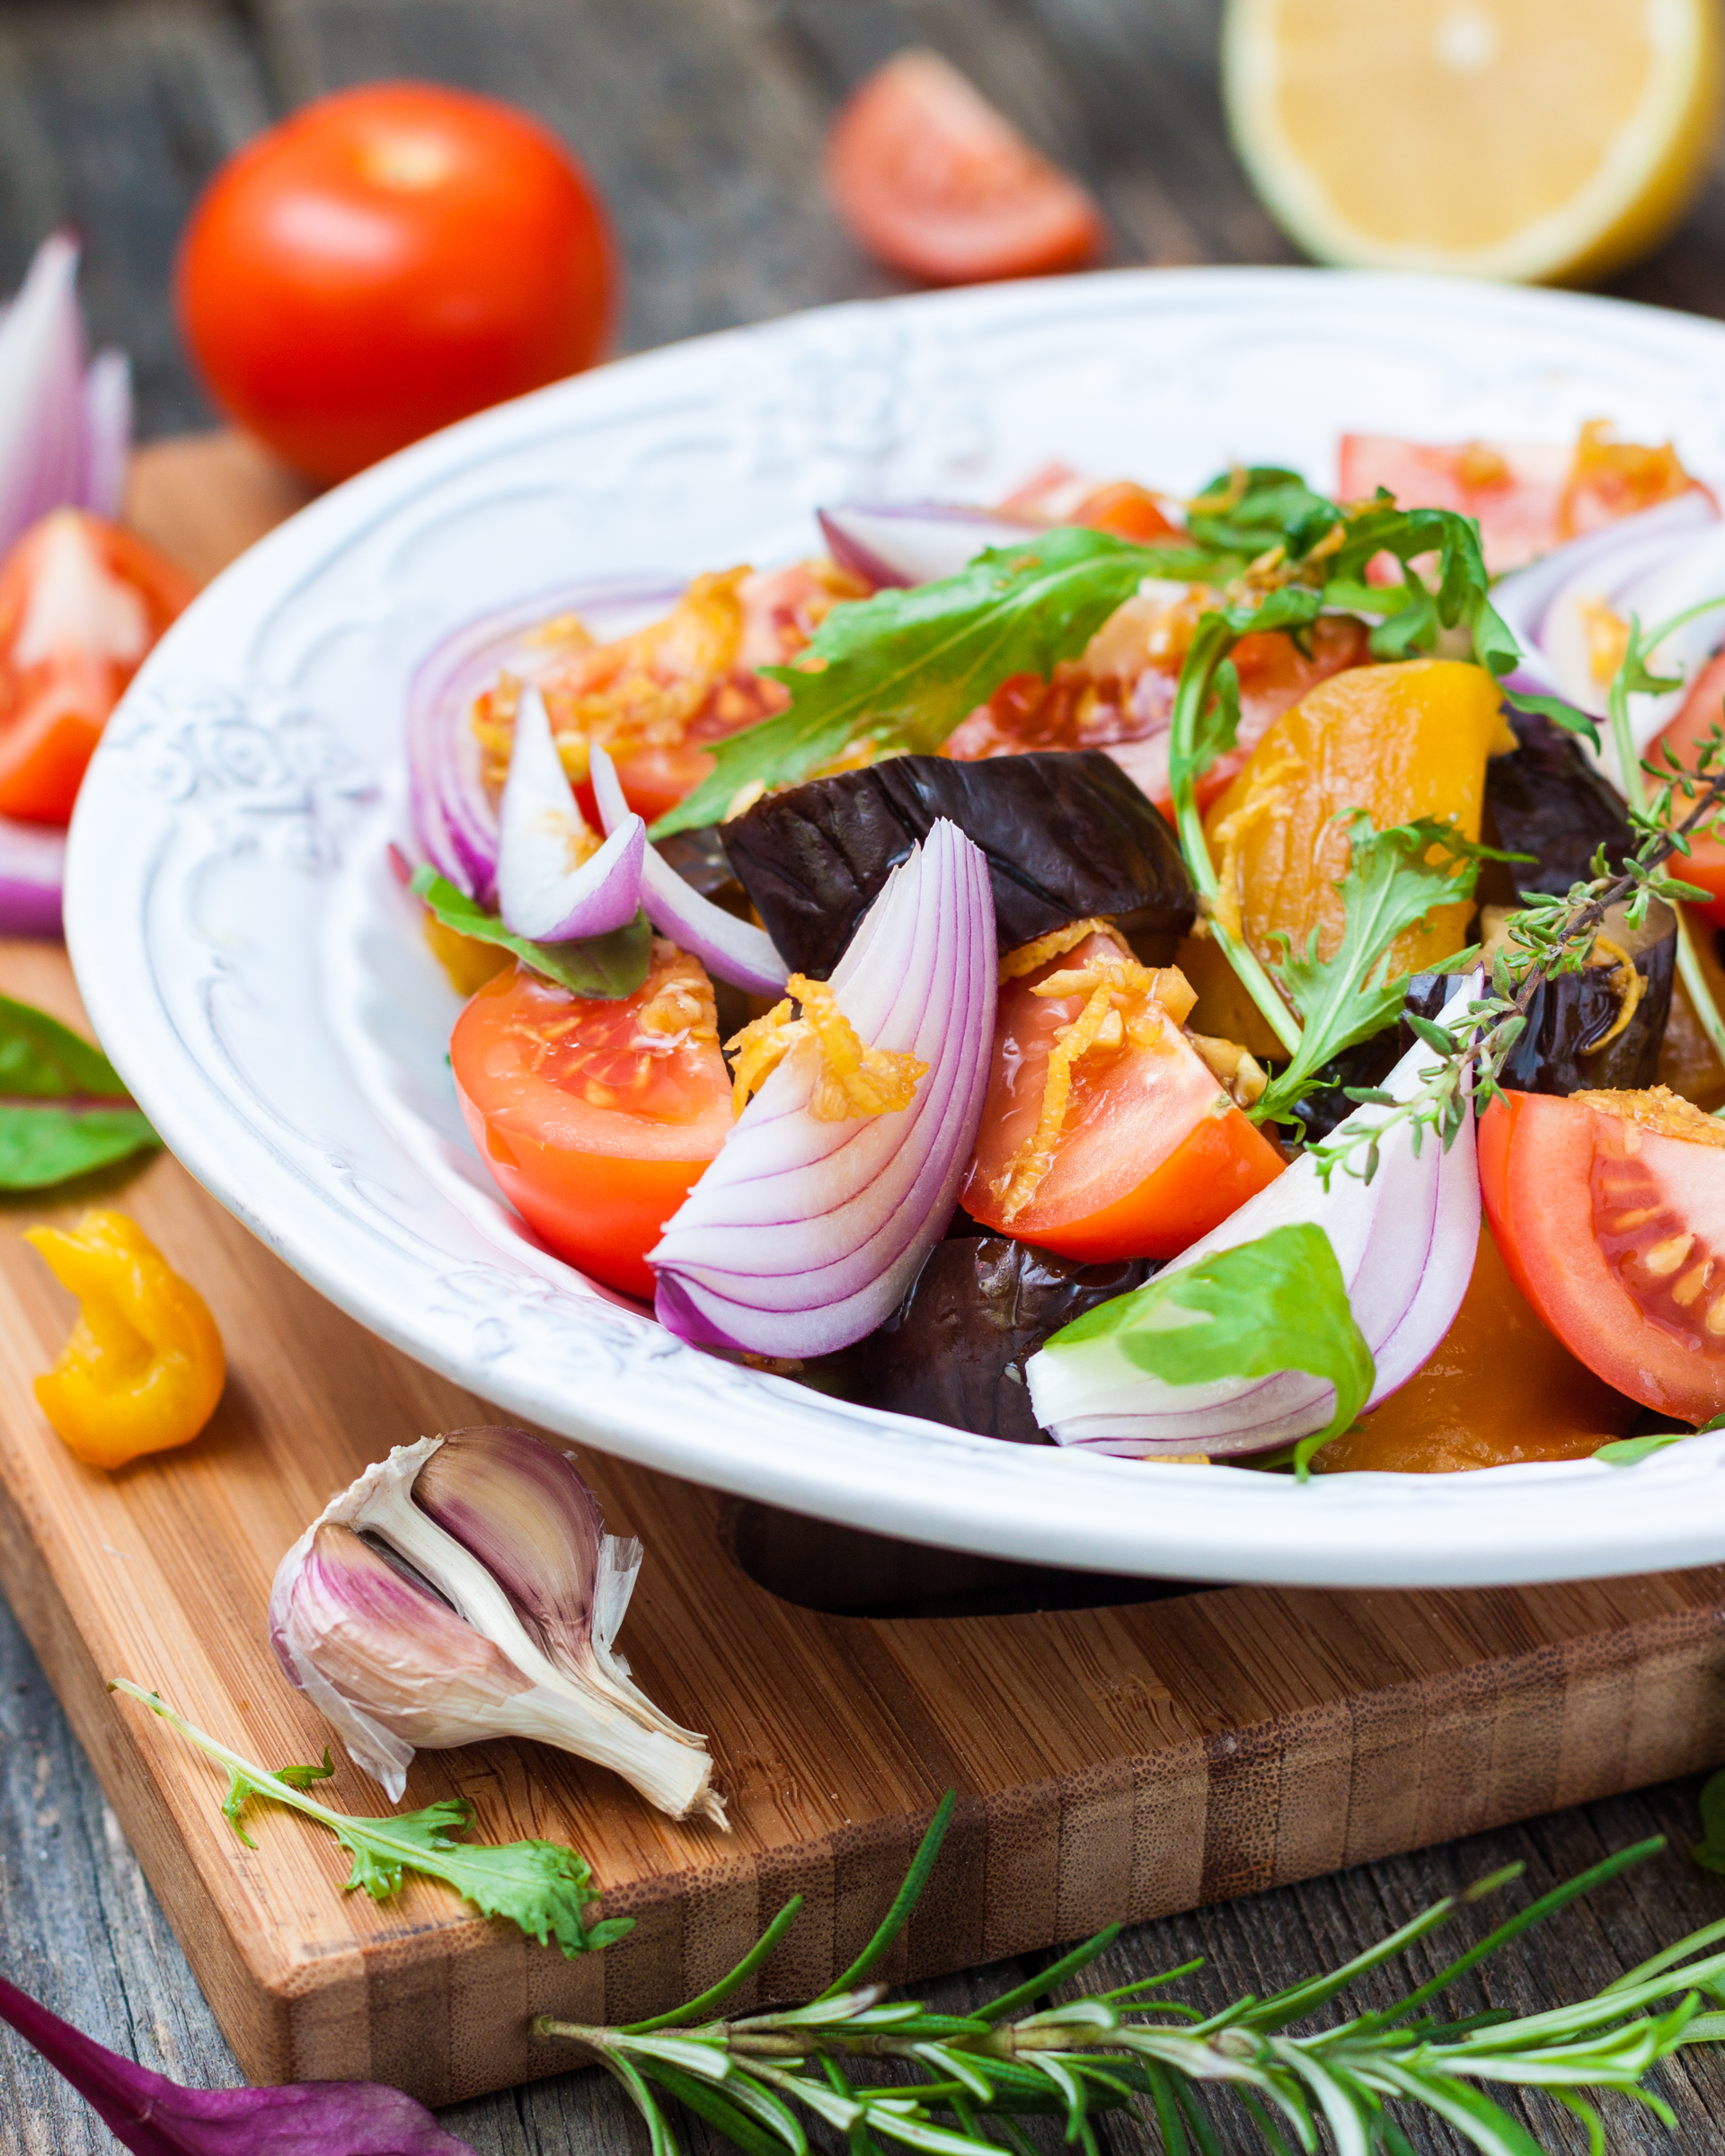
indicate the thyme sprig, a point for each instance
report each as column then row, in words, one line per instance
column 1549, row 937
column 963, row 2081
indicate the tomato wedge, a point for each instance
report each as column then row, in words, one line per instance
column 81, row 603
column 1150, row 1153
column 1609, row 1209
column 1702, row 709
column 933, row 180
column 594, row 1118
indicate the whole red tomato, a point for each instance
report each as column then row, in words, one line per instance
column 389, row 259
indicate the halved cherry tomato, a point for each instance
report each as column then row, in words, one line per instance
column 594, row 1118
column 81, row 603
column 387, row 260
column 933, row 180
column 1703, row 708
column 1151, row 1155
column 1609, row 1209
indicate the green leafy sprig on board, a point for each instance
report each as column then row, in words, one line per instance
column 543, row 1886
column 64, row 1107
column 962, row 2081
column 603, row 968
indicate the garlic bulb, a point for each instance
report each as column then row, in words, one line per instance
column 464, row 1588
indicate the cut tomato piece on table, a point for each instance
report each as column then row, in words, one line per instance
column 1104, row 1135
column 595, row 1118
column 931, row 180
column 1609, row 1209
column 81, row 603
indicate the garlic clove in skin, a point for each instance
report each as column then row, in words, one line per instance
column 463, row 1589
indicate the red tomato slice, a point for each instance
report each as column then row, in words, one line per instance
column 1152, row 1153
column 1609, row 1209
column 931, row 180
column 594, row 1132
column 81, row 603
column 1702, row 709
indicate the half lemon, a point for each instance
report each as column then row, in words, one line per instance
column 1536, row 140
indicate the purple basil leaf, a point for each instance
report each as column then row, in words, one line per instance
column 154, row 2117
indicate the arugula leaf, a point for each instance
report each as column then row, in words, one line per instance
column 1263, row 1307
column 1625, row 1451
column 63, row 1109
column 1390, row 885
column 1252, row 512
column 902, row 668
column 542, row 1887
column 602, row 967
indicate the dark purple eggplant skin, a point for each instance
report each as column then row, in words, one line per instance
column 1066, row 833
column 1547, row 800
column 954, row 1351
column 1567, row 1016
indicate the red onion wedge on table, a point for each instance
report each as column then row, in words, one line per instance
column 731, row 949
column 803, row 1236
column 1405, row 1244
column 541, row 896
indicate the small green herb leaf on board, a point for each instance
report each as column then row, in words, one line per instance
column 542, row 1887
column 1708, row 1852
column 901, row 669
column 604, row 969
column 1273, row 1305
column 63, row 1109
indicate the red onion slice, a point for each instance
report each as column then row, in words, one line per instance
column 899, row 543
column 107, row 431
column 1405, row 1244
column 734, row 950
column 539, row 895
column 33, row 864
column 801, row 1235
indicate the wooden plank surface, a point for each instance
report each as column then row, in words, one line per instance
column 111, row 113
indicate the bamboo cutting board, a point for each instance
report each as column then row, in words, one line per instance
column 1119, row 1761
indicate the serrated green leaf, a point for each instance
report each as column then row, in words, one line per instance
column 602, row 968
column 902, row 668
column 63, row 1109
column 243, row 1787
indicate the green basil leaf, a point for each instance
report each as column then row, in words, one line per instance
column 63, row 1109
column 1277, row 1303
column 903, row 668
column 602, row 968
column 1624, row 1452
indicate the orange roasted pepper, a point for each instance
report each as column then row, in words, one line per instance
column 144, row 1367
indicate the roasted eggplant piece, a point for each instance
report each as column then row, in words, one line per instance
column 1546, row 799
column 954, row 1350
column 698, row 856
column 1067, row 836
column 1569, row 1045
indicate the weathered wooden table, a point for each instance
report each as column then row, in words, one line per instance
column 702, row 120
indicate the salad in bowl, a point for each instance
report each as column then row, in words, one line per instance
column 1083, row 969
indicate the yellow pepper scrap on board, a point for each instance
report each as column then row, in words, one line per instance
column 144, row 1367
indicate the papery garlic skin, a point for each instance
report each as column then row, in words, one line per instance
column 506, row 1632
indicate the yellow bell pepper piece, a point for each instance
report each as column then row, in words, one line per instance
column 144, row 1367
column 1400, row 741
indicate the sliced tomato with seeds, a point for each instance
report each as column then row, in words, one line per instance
column 595, row 1118
column 1609, row 1209
column 82, row 601
column 933, row 180
column 1148, row 1152
column 1702, row 709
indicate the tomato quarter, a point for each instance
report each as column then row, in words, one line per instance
column 388, row 260
column 931, row 180
column 1150, row 1153
column 81, row 603
column 594, row 1118
column 1609, row 1209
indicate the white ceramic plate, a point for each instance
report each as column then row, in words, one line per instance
column 255, row 972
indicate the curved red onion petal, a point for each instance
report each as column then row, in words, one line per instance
column 801, row 1236
column 896, row 543
column 152, row 2116
column 453, row 814
column 539, row 895
column 734, row 950
column 1525, row 598
column 41, row 393
column 32, row 863
column 1405, row 1244
column 107, row 432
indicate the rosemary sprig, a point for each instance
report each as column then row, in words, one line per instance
column 961, row 2081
